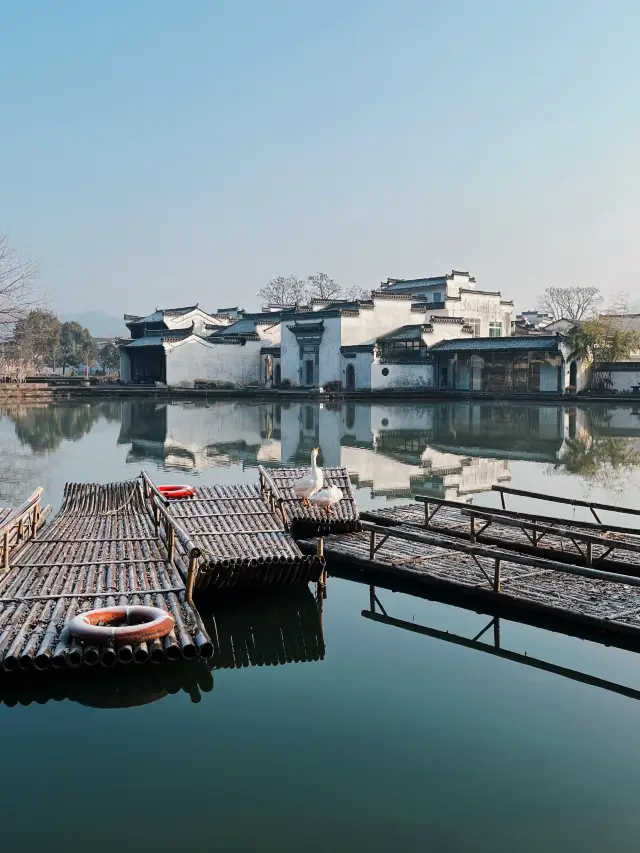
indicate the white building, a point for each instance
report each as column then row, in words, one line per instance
column 182, row 346
column 340, row 342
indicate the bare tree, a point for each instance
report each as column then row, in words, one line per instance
column 321, row 286
column 356, row 292
column 571, row 303
column 283, row 290
column 17, row 290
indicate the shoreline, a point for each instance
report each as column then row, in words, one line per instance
column 98, row 392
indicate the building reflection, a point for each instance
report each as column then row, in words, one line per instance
column 449, row 450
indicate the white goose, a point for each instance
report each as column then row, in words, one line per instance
column 327, row 498
column 307, row 486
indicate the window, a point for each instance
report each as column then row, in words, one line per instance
column 495, row 330
column 385, row 371
column 437, row 297
column 476, row 325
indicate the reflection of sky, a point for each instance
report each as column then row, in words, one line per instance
column 392, row 732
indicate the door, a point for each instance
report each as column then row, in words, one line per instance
column 278, row 374
column 308, row 372
column 351, row 377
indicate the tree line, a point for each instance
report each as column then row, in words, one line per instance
column 34, row 335
column 41, row 340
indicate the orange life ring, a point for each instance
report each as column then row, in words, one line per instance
column 142, row 624
column 173, row 493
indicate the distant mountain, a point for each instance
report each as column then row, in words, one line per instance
column 100, row 325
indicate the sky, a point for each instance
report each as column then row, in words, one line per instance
column 156, row 154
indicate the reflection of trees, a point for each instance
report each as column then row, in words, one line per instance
column 601, row 460
column 43, row 428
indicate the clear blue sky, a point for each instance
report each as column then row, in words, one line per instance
column 158, row 153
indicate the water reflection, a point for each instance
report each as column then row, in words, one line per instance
column 43, row 427
column 448, row 450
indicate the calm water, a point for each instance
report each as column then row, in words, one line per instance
column 392, row 739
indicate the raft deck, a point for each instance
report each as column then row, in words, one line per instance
column 100, row 550
column 228, row 536
column 603, row 600
column 548, row 537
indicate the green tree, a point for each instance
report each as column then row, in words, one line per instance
column 600, row 342
column 109, row 357
column 37, row 336
column 76, row 345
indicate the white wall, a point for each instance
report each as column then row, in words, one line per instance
column 401, row 376
column 369, row 324
column 362, row 367
column 476, row 306
column 198, row 318
column 622, row 380
column 197, row 359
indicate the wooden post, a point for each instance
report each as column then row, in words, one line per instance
column 5, row 550
column 156, row 517
column 504, row 505
column 20, row 530
column 589, row 554
column 372, row 545
column 191, row 576
column 473, row 528
column 426, row 514
column 320, row 547
column 496, row 632
column 372, row 599
column 272, row 502
column 171, row 542
column 497, row 576
column 34, row 521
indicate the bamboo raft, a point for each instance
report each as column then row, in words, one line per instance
column 228, row 536
column 605, row 601
column 101, row 549
column 576, row 543
column 277, row 486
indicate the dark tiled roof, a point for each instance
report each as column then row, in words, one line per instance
column 177, row 312
column 404, row 333
column 488, row 344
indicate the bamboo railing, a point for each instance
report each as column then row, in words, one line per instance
column 21, row 524
column 603, row 600
column 554, row 539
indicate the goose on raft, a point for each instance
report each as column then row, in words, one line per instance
column 308, row 485
column 327, row 498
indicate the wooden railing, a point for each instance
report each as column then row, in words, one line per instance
column 20, row 526
column 379, row 534
column 592, row 506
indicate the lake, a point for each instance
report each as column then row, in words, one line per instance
column 327, row 730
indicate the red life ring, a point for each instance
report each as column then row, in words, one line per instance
column 143, row 624
column 173, row 493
